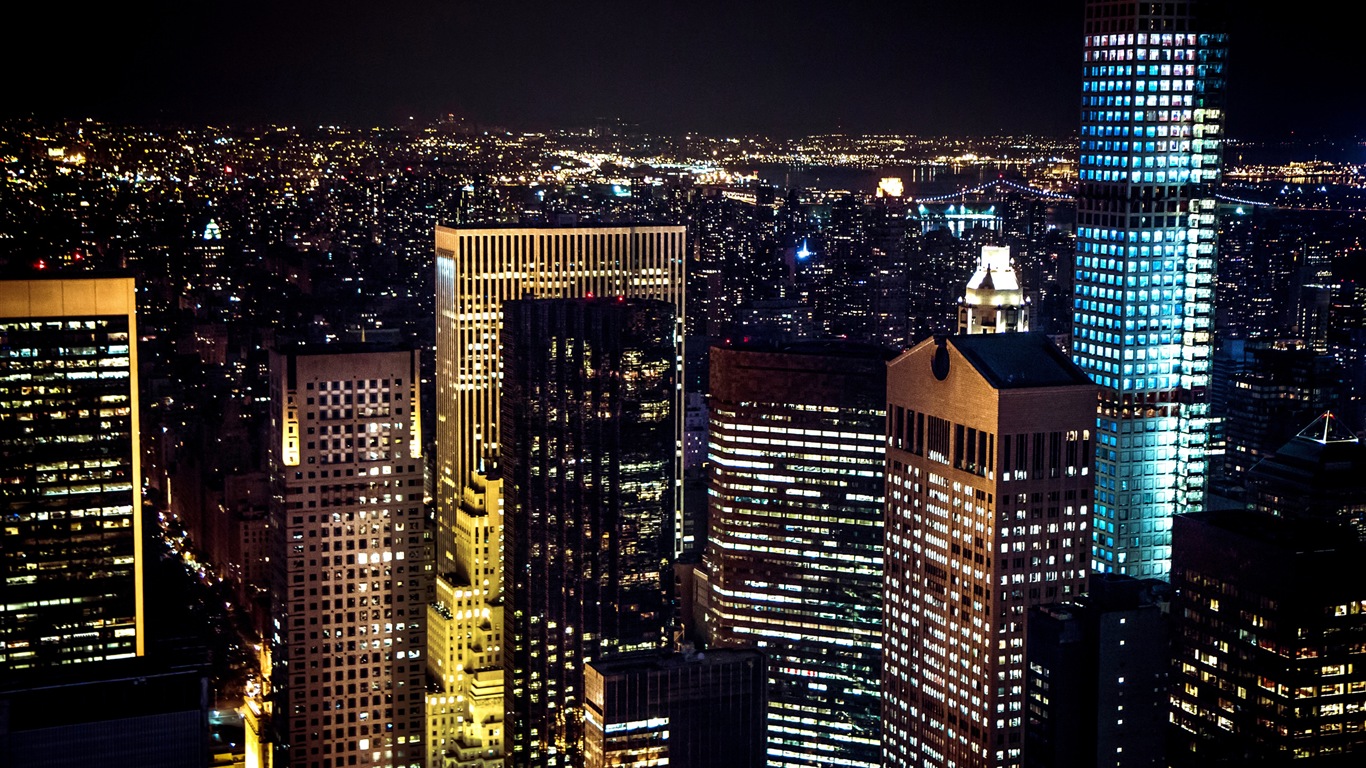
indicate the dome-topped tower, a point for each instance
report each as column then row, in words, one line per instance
column 994, row 301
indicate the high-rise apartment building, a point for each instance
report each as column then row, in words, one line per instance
column 1151, row 146
column 686, row 710
column 993, row 301
column 988, row 509
column 477, row 270
column 350, row 556
column 70, row 472
column 794, row 558
column 588, row 455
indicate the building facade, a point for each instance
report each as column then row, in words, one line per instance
column 588, row 462
column 1097, row 676
column 794, row 559
column 477, row 270
column 687, row 710
column 1270, row 620
column 70, row 473
column 351, row 557
column 1151, row 148
column 989, row 483
column 465, row 636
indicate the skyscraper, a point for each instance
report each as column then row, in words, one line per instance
column 350, row 556
column 794, row 558
column 588, row 459
column 988, row 505
column 1151, row 146
column 479, row 269
column 70, row 472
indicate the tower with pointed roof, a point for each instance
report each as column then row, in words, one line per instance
column 994, row 301
column 1320, row 473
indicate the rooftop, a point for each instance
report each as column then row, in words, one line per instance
column 1018, row 360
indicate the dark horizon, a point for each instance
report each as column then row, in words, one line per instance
column 778, row 69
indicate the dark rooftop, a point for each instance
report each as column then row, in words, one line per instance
column 1019, row 360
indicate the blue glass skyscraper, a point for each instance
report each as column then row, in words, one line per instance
column 1151, row 146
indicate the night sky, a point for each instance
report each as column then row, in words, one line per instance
column 743, row 66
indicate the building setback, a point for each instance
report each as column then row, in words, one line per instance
column 1143, row 310
column 988, row 509
column 794, row 562
column 685, row 710
column 588, row 462
column 70, row 473
column 350, row 556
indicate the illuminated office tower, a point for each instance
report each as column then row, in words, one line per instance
column 464, row 638
column 1151, row 148
column 479, row 269
column 70, row 474
column 993, row 302
column 588, row 460
column 988, row 509
column 794, row 556
column 350, row 556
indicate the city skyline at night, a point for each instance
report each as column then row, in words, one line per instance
column 809, row 385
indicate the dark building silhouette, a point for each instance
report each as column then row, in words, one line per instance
column 588, row 478
column 1319, row 474
column 794, row 560
column 691, row 709
column 126, row 713
column 1097, row 677
column 989, row 483
column 1270, row 628
column 1273, row 393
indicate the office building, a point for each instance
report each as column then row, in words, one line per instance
column 993, row 301
column 1151, row 144
column 1320, row 474
column 1270, row 623
column 477, row 270
column 350, row 556
column 588, row 461
column 684, row 710
column 1097, row 676
column 794, row 559
column 70, row 470
column 989, row 488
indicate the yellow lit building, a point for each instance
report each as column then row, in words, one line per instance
column 71, row 543
column 476, row 271
column 464, row 639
